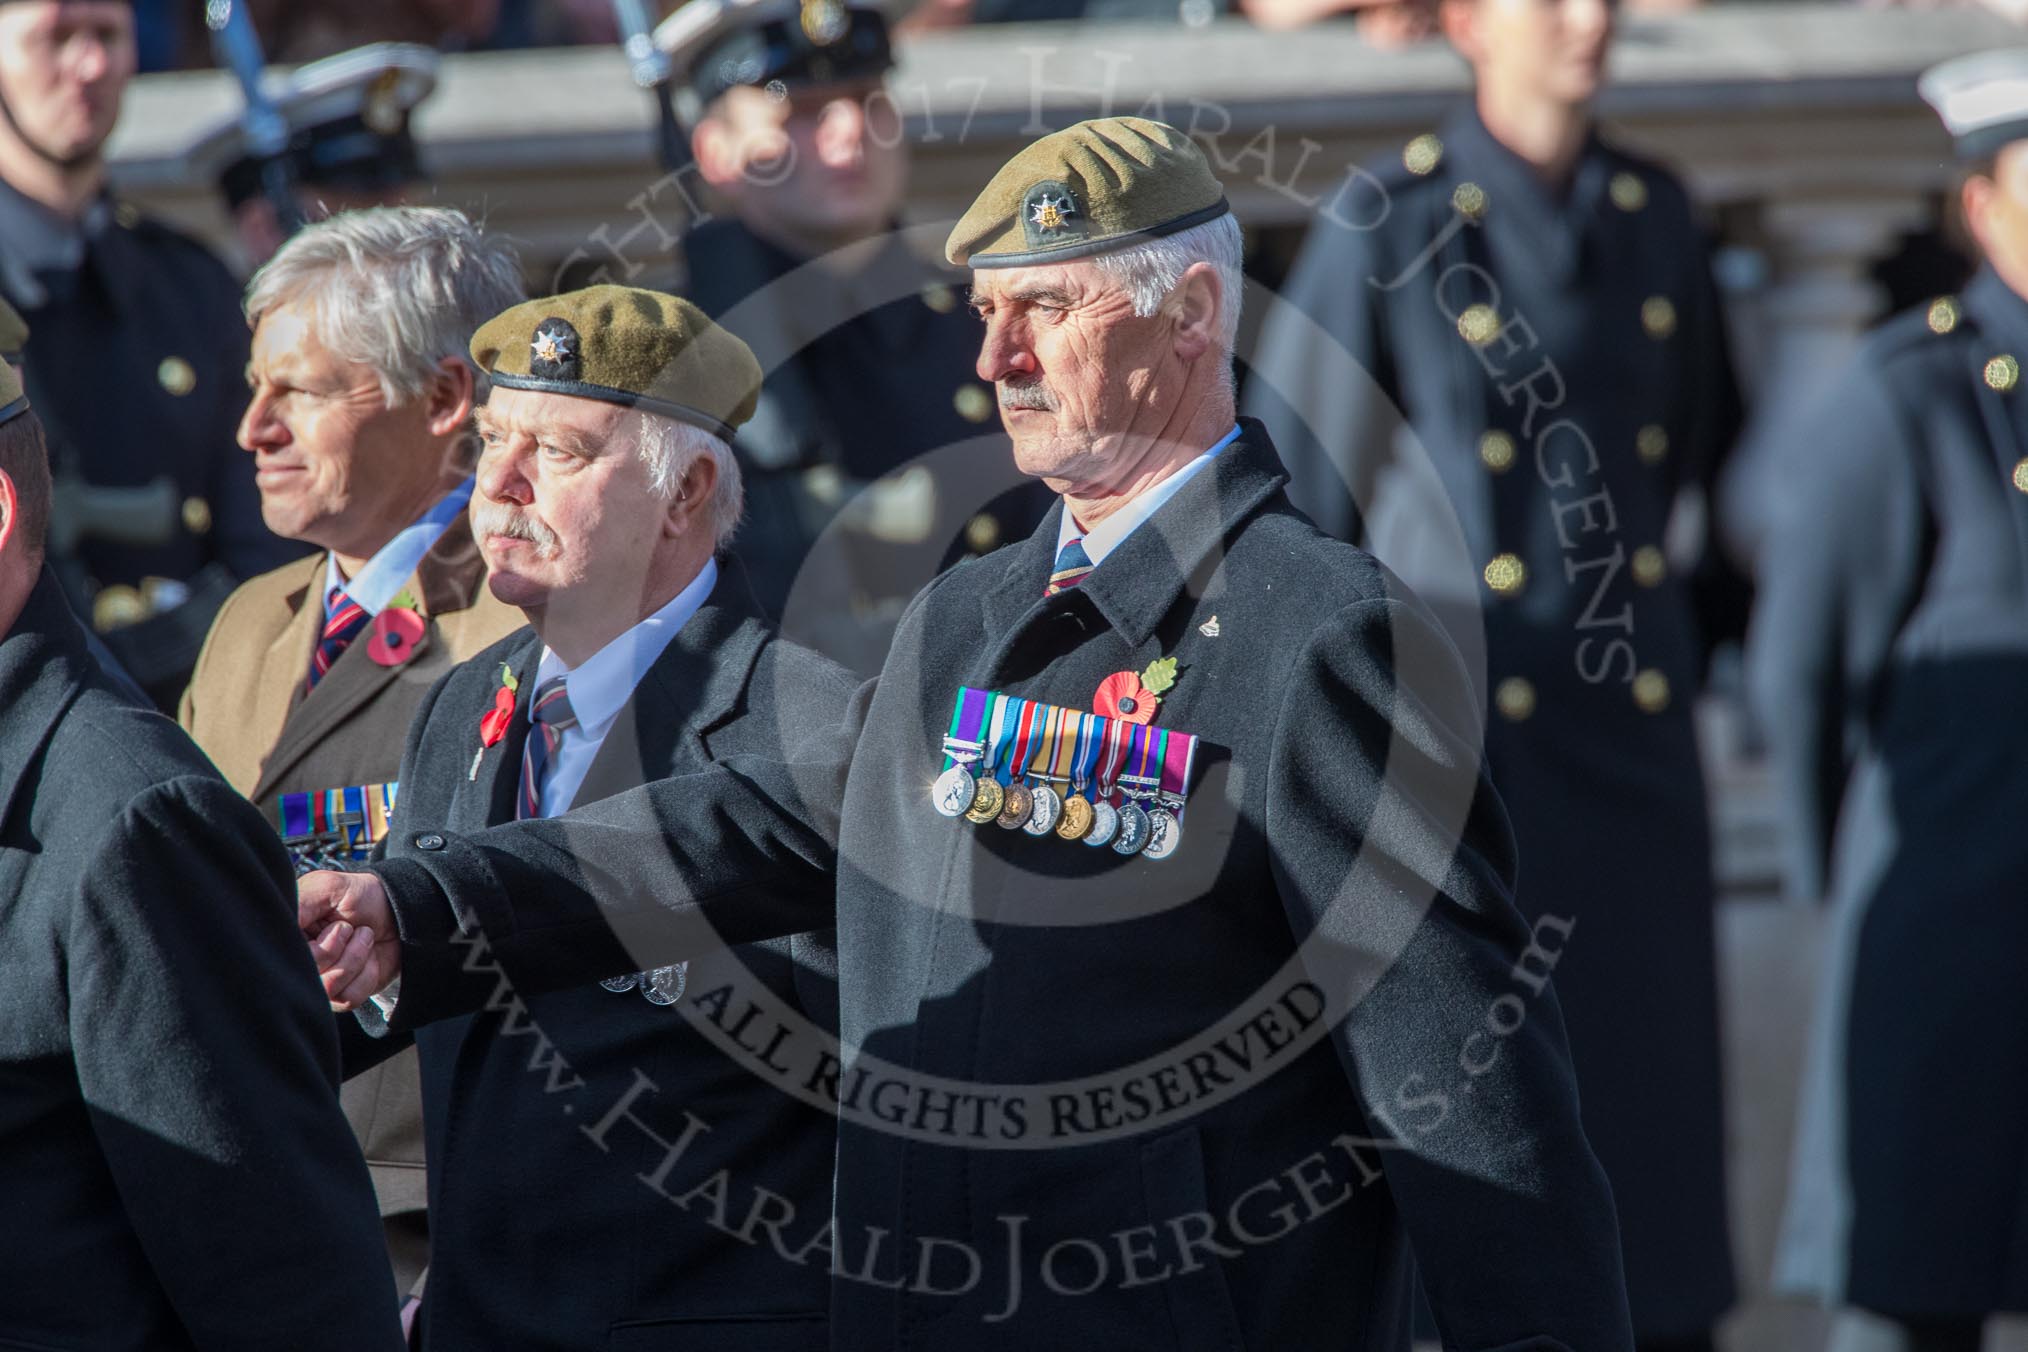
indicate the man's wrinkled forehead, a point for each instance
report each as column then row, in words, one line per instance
column 1049, row 284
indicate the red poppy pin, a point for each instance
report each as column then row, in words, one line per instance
column 494, row 725
column 1134, row 698
column 395, row 631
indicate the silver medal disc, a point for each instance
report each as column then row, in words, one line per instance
column 953, row 792
column 1133, row 830
column 1047, row 813
column 664, row 985
column 1105, row 823
column 621, row 984
column 1165, row 833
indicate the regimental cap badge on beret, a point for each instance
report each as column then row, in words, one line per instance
column 553, row 351
column 622, row 345
column 1093, row 188
column 1982, row 99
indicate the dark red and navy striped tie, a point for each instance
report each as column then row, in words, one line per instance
column 549, row 716
column 343, row 619
column 1073, row 565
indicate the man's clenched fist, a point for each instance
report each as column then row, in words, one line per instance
column 350, row 929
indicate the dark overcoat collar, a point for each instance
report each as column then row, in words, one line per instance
column 1138, row 583
column 43, row 666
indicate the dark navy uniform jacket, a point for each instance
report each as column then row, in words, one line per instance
column 543, row 1236
column 136, row 364
column 1889, row 656
column 1216, row 1094
column 1505, row 392
column 876, row 457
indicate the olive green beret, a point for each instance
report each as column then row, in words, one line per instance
column 13, row 333
column 640, row 349
column 1098, row 186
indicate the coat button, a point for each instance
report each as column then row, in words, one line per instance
column 1658, row 317
column 982, row 533
column 1471, row 201
column 1422, row 155
column 176, row 376
column 1479, row 324
column 1496, row 452
column 973, row 403
column 196, row 516
column 1650, row 566
column 1506, row 574
column 1943, row 314
column 1515, row 698
column 1651, row 691
column 2021, row 475
column 429, row 840
column 1629, row 191
column 1652, row 442
column 2003, row 373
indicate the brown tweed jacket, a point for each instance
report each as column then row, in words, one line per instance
column 247, row 709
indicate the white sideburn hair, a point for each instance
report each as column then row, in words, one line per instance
column 1150, row 270
column 395, row 289
column 670, row 448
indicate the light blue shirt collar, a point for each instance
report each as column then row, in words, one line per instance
column 601, row 685
column 1105, row 537
column 389, row 570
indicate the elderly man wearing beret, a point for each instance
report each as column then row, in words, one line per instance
column 605, row 487
column 1183, row 1001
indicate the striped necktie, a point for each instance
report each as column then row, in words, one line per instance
column 549, row 717
column 343, row 619
column 1072, row 566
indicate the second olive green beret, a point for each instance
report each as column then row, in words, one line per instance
column 640, row 349
column 1098, row 186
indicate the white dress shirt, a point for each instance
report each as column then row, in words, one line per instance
column 1105, row 537
column 600, row 686
column 395, row 562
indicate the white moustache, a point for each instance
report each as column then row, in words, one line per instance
column 491, row 518
column 1035, row 396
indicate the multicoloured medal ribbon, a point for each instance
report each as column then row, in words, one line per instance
column 1047, row 808
column 957, row 787
column 337, row 824
column 1020, row 804
column 1083, row 736
column 989, row 797
column 1165, row 823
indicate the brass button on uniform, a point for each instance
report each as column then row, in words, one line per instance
column 1943, row 314
column 1651, row 691
column 1652, row 442
column 1496, row 452
column 1479, row 325
column 1506, row 574
column 1470, row 201
column 127, row 215
column 982, row 533
column 1514, row 698
column 196, row 515
column 973, row 402
column 939, row 298
column 177, row 376
column 1629, row 191
column 1423, row 154
column 1658, row 317
column 2003, row 373
column 2021, row 476
column 116, row 607
column 1650, row 567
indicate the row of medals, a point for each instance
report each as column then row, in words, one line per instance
column 1040, row 810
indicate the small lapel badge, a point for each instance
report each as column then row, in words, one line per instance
column 1209, row 628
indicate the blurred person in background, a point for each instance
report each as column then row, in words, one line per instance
column 864, row 471
column 350, row 141
column 156, row 517
column 1527, row 346
column 1888, row 659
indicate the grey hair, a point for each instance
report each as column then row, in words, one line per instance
column 396, row 289
column 670, row 448
column 1150, row 270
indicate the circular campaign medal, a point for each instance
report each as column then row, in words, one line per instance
column 1020, row 804
column 1165, row 823
column 621, row 984
column 1105, row 818
column 664, row 985
column 1135, row 827
column 1048, row 808
column 987, row 795
column 1081, row 735
column 957, row 787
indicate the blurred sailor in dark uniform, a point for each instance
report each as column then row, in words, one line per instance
column 1549, row 379
column 876, row 456
column 139, row 355
column 1889, row 656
